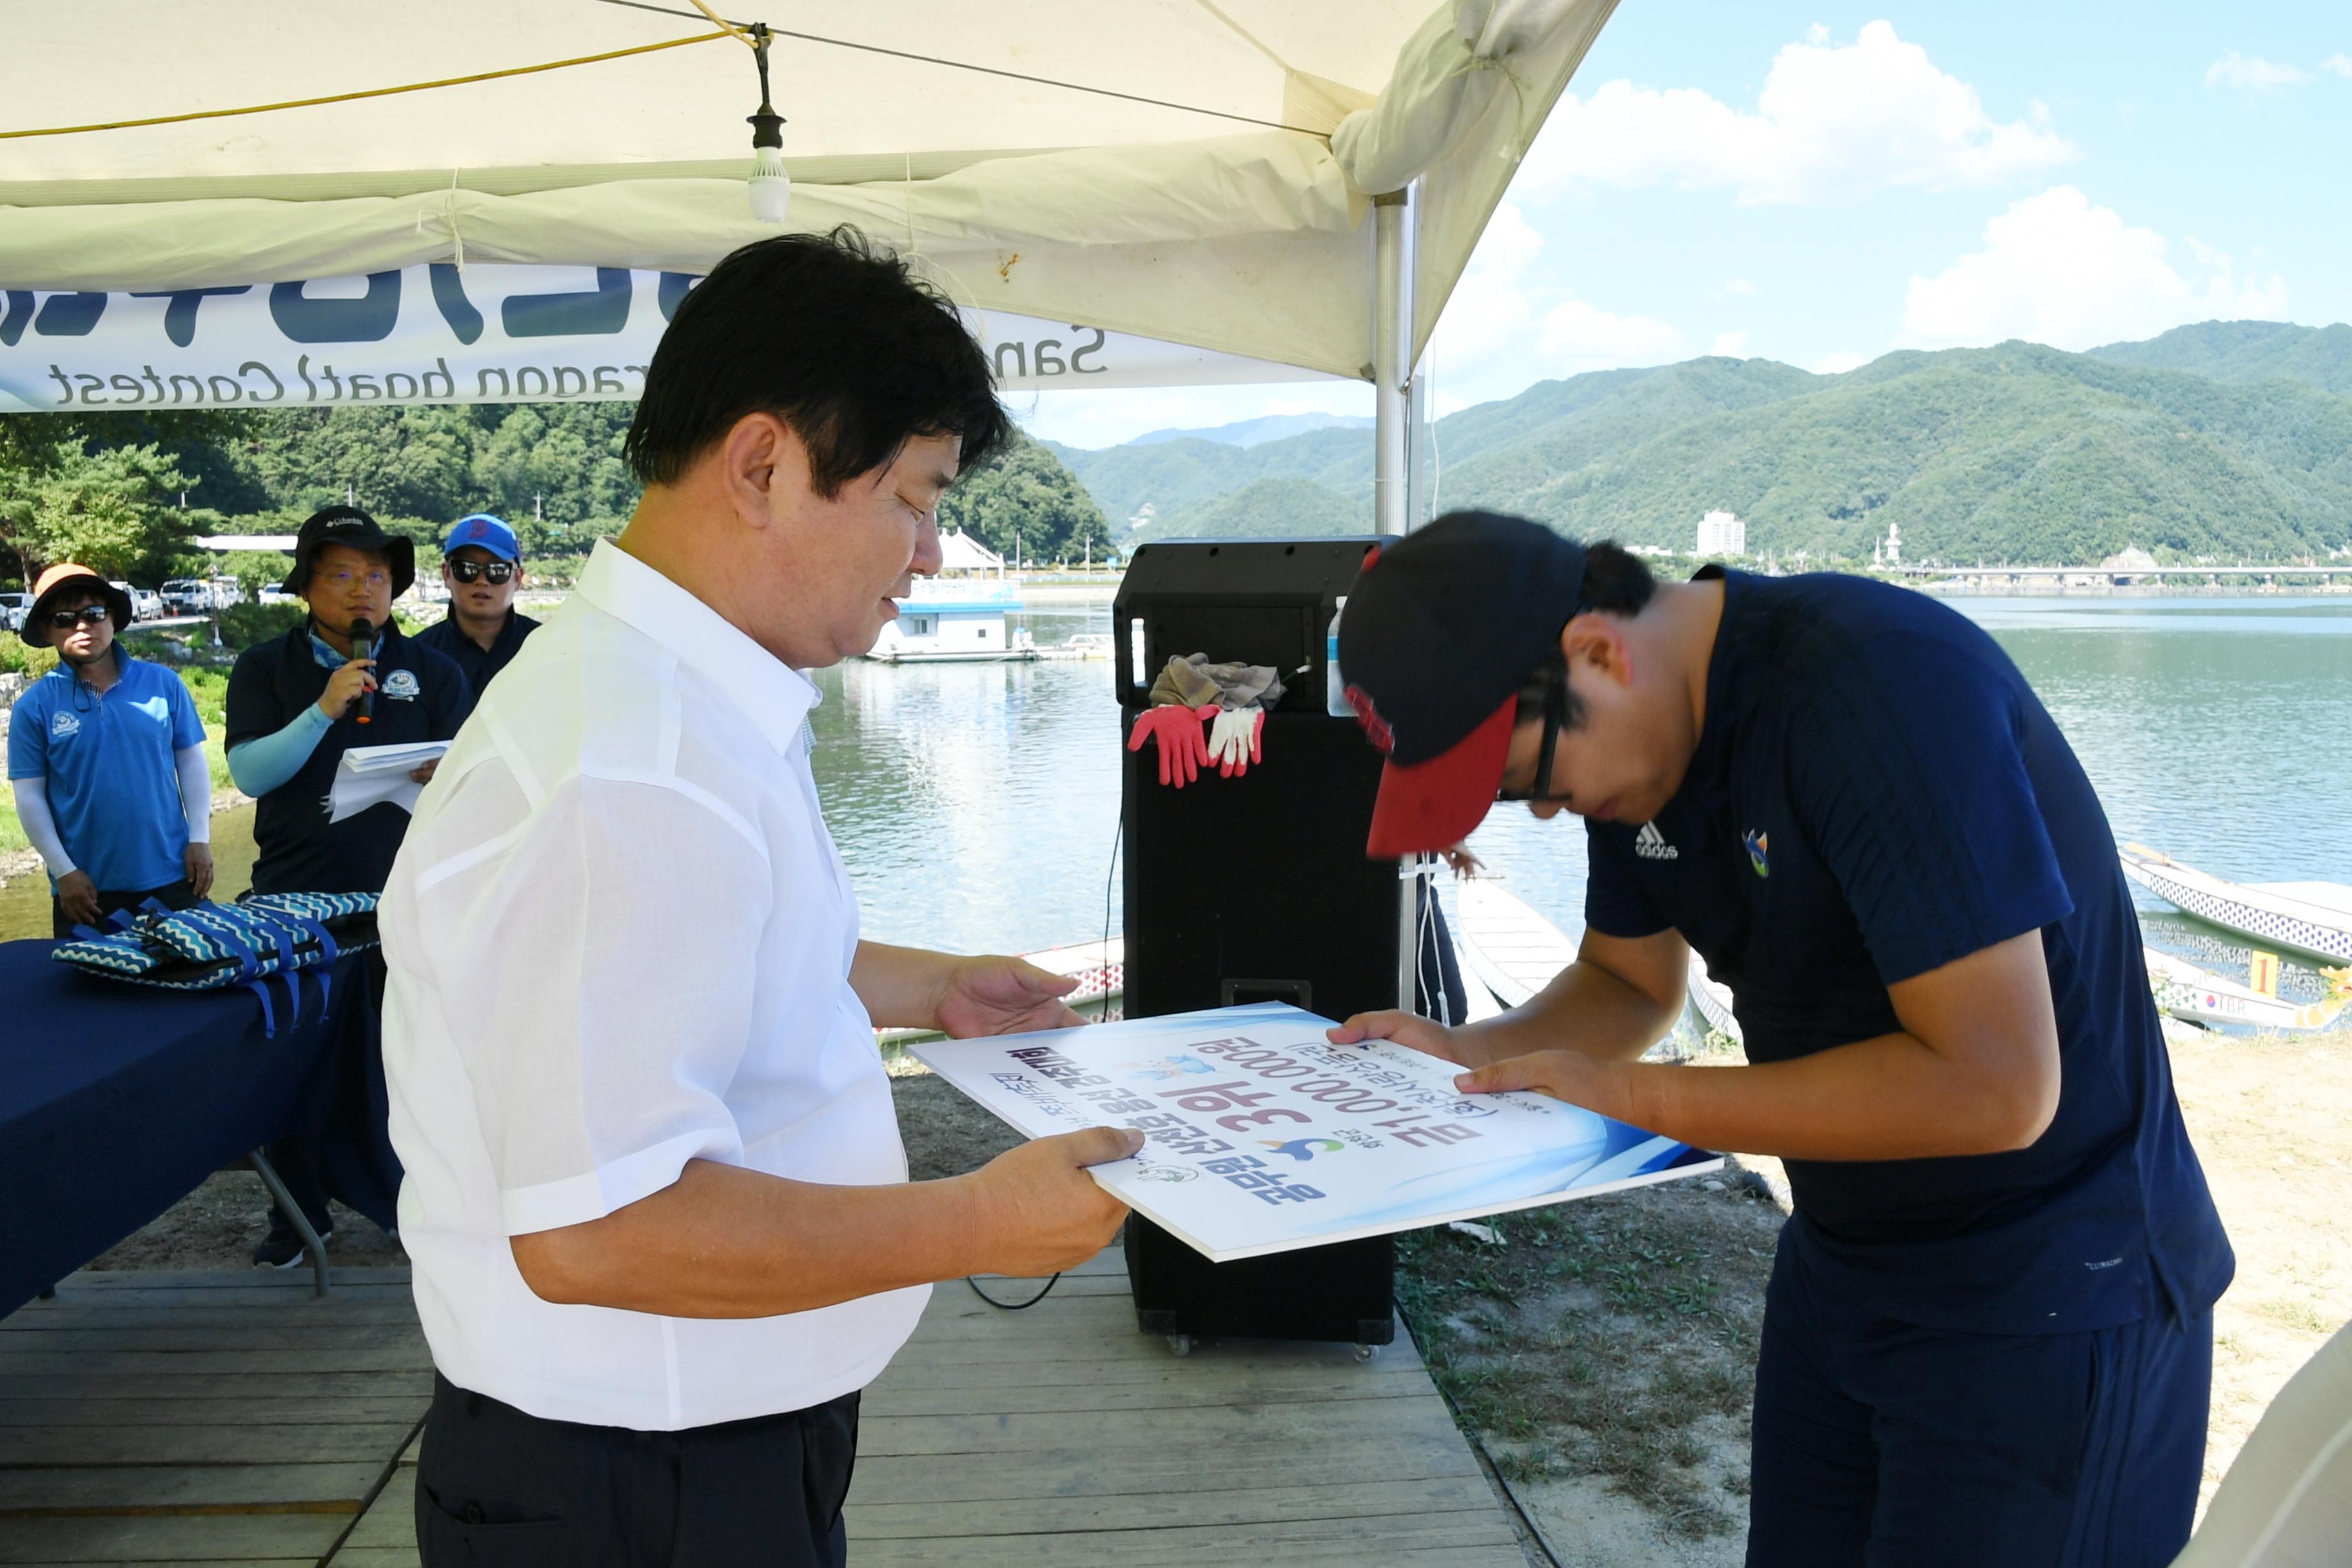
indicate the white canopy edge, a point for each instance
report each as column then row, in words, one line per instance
column 1250, row 245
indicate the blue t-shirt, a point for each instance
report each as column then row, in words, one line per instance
column 113, row 784
column 1876, row 793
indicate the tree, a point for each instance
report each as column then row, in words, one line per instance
column 257, row 569
column 1024, row 497
column 115, row 510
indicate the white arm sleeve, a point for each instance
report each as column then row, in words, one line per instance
column 40, row 826
column 195, row 792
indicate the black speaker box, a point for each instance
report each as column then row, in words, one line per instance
column 1255, row 890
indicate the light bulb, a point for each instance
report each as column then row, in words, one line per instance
column 771, row 188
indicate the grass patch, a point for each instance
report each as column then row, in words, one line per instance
column 1614, row 1337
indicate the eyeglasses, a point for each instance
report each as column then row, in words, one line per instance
column 89, row 615
column 377, row 578
column 488, row 570
column 1555, row 719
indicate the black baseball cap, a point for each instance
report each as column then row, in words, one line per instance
column 349, row 525
column 1441, row 630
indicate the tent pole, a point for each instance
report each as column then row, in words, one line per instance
column 1393, row 310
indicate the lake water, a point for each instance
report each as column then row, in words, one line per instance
column 976, row 804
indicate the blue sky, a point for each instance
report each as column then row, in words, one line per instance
column 1821, row 185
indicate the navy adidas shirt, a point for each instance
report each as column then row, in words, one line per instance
column 420, row 696
column 480, row 664
column 1876, row 793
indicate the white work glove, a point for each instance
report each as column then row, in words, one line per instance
column 1234, row 739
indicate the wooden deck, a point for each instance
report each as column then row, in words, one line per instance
column 226, row 1417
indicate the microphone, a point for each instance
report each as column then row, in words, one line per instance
column 364, row 647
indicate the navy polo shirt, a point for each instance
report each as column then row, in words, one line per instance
column 480, row 665
column 113, row 779
column 420, row 696
column 1876, row 793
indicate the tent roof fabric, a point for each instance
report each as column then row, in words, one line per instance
column 1192, row 170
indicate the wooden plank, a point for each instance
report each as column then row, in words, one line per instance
column 975, row 1477
column 376, row 1557
column 287, row 1361
column 200, row 1278
column 272, row 1408
column 261, row 1335
column 140, row 1443
column 389, row 1523
column 132, row 1312
column 1220, row 1426
column 336, row 1487
column 1271, row 1387
column 1462, row 1538
column 1352, row 1500
column 208, row 1538
column 70, row 1383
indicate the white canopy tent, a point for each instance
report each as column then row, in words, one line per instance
column 1195, row 171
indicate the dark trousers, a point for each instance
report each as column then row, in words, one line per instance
column 177, row 895
column 1884, row 1444
column 496, row 1487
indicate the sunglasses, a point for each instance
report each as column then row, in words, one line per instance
column 89, row 615
column 485, row 571
column 1555, row 719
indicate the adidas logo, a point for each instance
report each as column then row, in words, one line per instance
column 1651, row 845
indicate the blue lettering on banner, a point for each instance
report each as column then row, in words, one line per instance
column 366, row 320
column 69, row 315
column 450, row 294
column 179, row 315
column 673, row 291
column 592, row 312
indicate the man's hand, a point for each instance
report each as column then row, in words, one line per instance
column 78, row 896
column 422, row 772
column 1570, row 1075
column 1039, row 1211
column 345, row 686
column 198, row 860
column 1002, row 996
column 1409, row 1029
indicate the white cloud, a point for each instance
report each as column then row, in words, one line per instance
column 1837, row 363
column 1506, row 324
column 1739, row 286
column 2340, row 64
column 1832, row 125
column 2056, row 269
column 1090, row 419
column 1731, row 345
column 1578, row 336
column 2251, row 73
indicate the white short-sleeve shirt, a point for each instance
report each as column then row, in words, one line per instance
column 619, row 939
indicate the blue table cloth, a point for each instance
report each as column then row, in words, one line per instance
column 118, row 1101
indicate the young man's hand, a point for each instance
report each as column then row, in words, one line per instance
column 345, row 686
column 198, row 860
column 995, row 995
column 1409, row 1029
column 78, row 896
column 1039, row 1212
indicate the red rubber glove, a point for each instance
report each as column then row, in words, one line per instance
column 1183, row 740
column 1236, row 740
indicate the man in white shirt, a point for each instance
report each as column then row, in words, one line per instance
column 655, row 1199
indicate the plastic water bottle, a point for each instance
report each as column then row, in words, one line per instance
column 1334, row 688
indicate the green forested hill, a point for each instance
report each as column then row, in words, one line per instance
column 2222, row 441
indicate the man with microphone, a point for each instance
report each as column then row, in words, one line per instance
column 346, row 676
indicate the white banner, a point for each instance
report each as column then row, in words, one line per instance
column 1263, row 1136
column 438, row 334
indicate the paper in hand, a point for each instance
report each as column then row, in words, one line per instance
column 370, row 775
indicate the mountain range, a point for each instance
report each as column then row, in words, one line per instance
column 2225, row 440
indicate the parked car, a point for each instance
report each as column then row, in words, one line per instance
column 276, row 593
column 145, row 605
column 185, row 596
column 13, row 608
column 225, row 592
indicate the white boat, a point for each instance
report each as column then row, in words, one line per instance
column 1507, row 948
column 954, row 623
column 2314, row 919
column 2185, row 991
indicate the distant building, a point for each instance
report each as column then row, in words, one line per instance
column 2124, row 566
column 961, row 555
column 1721, row 533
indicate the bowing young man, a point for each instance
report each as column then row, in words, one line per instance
column 656, row 1202
column 107, row 763
column 1987, row 1337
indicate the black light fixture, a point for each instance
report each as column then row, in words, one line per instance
column 772, row 187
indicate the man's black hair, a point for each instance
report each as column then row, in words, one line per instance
column 1616, row 583
column 830, row 333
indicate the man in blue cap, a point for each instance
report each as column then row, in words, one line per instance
column 1988, row 1334
column 481, row 565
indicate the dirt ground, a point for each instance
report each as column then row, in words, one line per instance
column 1603, row 1351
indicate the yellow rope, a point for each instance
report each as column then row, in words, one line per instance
column 749, row 41
column 380, row 91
